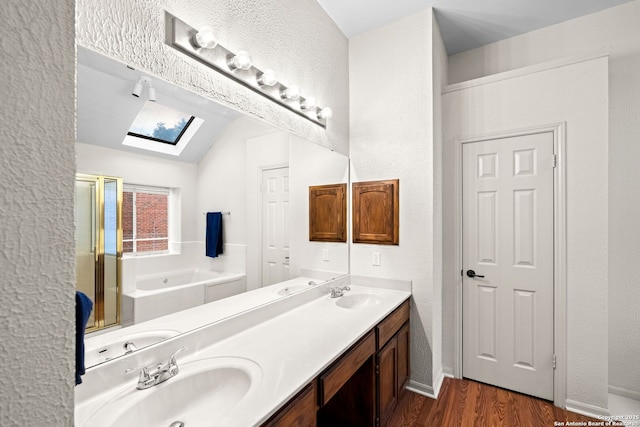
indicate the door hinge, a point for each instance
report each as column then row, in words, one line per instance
column 554, row 161
column 554, row 361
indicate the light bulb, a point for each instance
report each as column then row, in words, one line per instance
column 205, row 38
column 240, row 61
column 267, row 78
column 291, row 93
column 325, row 113
column 309, row 103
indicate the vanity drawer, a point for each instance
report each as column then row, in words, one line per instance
column 300, row 411
column 342, row 370
column 392, row 324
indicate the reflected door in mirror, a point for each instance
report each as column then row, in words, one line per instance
column 275, row 225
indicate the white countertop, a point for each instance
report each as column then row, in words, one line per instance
column 292, row 340
column 178, row 323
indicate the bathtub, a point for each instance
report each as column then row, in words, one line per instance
column 166, row 293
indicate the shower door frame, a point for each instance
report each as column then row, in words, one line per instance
column 99, row 248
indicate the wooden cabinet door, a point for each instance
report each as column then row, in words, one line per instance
column 375, row 212
column 300, row 411
column 403, row 357
column 387, row 370
column 327, row 213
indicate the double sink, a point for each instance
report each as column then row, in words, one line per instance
column 212, row 390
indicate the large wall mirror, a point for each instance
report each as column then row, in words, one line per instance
column 181, row 156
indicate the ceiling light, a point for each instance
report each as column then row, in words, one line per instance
column 267, row 78
column 309, row 103
column 205, row 38
column 325, row 113
column 291, row 93
column 152, row 93
column 137, row 88
column 239, row 61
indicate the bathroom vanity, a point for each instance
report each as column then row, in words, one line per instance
column 362, row 387
column 299, row 360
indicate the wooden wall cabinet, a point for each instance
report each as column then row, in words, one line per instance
column 376, row 212
column 327, row 213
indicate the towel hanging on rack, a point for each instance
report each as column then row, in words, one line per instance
column 213, row 238
column 84, row 305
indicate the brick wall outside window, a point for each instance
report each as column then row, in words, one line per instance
column 151, row 221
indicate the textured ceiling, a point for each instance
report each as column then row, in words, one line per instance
column 464, row 24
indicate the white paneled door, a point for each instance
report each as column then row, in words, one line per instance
column 275, row 225
column 507, row 258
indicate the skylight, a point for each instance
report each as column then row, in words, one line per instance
column 161, row 129
column 160, row 123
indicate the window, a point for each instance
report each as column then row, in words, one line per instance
column 145, row 220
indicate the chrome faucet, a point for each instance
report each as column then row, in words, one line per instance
column 154, row 375
column 312, row 283
column 339, row 290
column 129, row 347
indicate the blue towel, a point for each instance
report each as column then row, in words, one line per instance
column 214, row 234
column 83, row 310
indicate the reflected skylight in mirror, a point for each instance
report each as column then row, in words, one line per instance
column 160, row 123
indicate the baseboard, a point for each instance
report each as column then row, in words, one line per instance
column 437, row 383
column 585, row 409
column 423, row 389
column 448, row 372
column 619, row 391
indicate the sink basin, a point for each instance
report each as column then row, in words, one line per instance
column 104, row 351
column 292, row 289
column 357, row 300
column 205, row 392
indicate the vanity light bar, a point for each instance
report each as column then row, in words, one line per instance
column 203, row 46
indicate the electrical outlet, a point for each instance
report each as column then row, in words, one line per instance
column 325, row 254
column 376, row 258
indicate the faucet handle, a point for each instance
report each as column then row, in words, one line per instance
column 172, row 358
column 144, row 377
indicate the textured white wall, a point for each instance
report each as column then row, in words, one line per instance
column 577, row 94
column 295, row 38
column 392, row 137
column 440, row 63
column 37, row 168
column 618, row 31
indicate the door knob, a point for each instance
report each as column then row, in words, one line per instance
column 472, row 273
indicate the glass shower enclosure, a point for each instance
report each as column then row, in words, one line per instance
column 99, row 246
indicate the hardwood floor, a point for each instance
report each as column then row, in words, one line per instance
column 468, row 403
